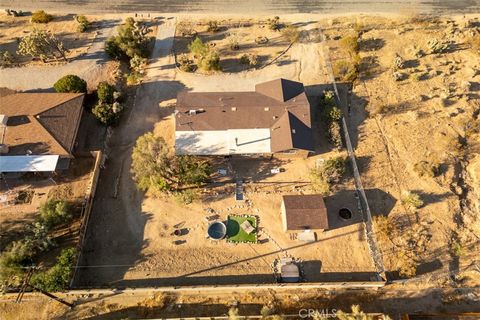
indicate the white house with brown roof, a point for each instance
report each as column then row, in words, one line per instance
column 38, row 129
column 275, row 118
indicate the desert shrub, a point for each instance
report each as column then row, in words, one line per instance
column 70, row 83
column 249, row 59
column 41, row 17
column 412, row 199
column 137, row 64
column 350, row 43
column 457, row 249
column 55, row 212
column 57, row 277
column 355, row 314
column 83, row 23
column 267, row 310
column 274, row 24
column 291, row 33
column 133, row 78
column 398, row 62
column 185, row 196
column 6, row 59
column 474, row 43
column 335, row 134
column 333, row 169
column 213, row 26
column 436, row 46
column 107, row 113
column 426, row 168
column 186, row 64
column 186, row 28
column 233, row 41
column 384, row 228
column 105, row 92
column 131, row 40
column 406, row 265
column 330, row 172
column 17, row 255
column 345, row 71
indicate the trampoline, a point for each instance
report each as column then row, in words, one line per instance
column 217, row 230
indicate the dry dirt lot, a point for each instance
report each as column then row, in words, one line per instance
column 63, row 26
column 430, row 116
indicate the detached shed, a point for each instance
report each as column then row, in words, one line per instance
column 304, row 212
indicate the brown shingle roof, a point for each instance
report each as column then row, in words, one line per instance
column 250, row 110
column 44, row 123
column 305, row 212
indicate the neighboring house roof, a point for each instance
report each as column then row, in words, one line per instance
column 305, row 212
column 263, row 109
column 44, row 123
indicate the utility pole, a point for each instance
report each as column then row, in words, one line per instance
column 26, row 283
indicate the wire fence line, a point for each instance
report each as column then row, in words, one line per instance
column 362, row 197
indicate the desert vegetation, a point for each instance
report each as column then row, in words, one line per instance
column 70, row 83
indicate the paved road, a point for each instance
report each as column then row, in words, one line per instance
column 248, row 6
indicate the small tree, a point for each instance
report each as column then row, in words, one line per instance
column 156, row 169
column 213, row 26
column 105, row 92
column 41, row 17
column 17, row 255
column 131, row 40
column 57, row 277
column 70, row 83
column 197, row 48
column 54, row 212
column 274, row 24
column 83, row 23
column 43, row 45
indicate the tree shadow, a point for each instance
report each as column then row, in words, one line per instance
column 371, row 44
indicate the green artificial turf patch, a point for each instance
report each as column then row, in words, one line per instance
column 235, row 233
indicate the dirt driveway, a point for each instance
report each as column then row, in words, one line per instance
column 115, row 235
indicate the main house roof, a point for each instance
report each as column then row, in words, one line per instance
column 280, row 106
column 41, row 123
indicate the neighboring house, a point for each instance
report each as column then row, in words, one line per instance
column 38, row 130
column 273, row 119
column 304, row 212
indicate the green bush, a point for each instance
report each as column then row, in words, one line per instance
column 210, row 62
column 350, row 43
column 197, row 48
column 331, row 116
column 107, row 113
column 113, row 49
column 206, row 58
column 333, row 169
column 55, row 212
column 83, row 23
column 105, row 92
column 41, row 17
column 70, row 83
column 57, row 277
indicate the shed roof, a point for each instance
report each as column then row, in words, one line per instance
column 305, row 212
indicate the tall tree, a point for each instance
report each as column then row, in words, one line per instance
column 156, row 168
